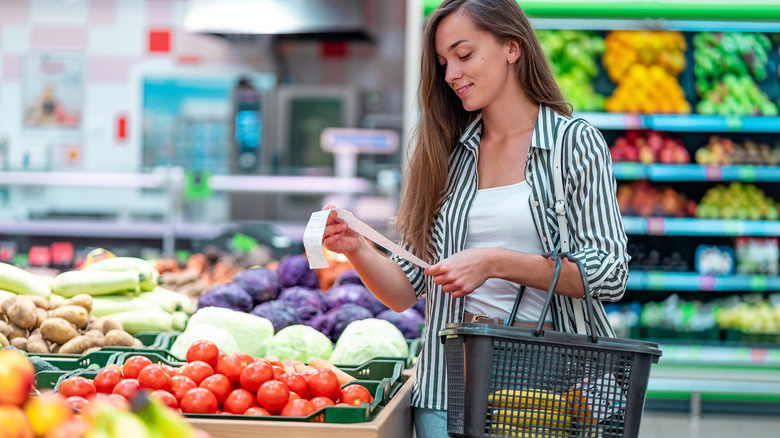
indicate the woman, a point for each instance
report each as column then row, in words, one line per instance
column 478, row 195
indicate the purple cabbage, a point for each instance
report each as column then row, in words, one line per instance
column 230, row 296
column 308, row 302
column 419, row 306
column 348, row 277
column 353, row 294
column 262, row 284
column 281, row 313
column 337, row 319
column 407, row 321
column 294, row 271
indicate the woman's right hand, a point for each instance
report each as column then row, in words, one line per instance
column 338, row 237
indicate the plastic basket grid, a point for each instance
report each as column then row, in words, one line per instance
column 539, row 382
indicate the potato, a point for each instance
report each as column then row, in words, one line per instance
column 137, row 343
column 55, row 302
column 41, row 315
column 77, row 345
column 20, row 343
column 76, row 315
column 4, row 341
column 21, row 312
column 39, row 301
column 36, row 344
column 54, row 348
column 97, row 337
column 119, row 338
column 5, row 329
column 91, row 350
column 111, row 324
column 36, row 332
column 18, row 332
column 58, row 330
column 81, row 300
column 95, row 324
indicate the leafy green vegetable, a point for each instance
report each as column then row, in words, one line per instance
column 203, row 331
column 249, row 331
column 366, row 339
column 299, row 342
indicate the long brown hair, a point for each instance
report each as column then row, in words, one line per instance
column 443, row 118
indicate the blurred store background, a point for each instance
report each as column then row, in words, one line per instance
column 167, row 129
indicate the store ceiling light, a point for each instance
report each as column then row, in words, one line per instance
column 314, row 19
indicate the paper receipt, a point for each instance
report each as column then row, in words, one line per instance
column 315, row 229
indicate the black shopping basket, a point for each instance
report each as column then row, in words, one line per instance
column 512, row 381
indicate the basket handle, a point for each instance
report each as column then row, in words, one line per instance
column 557, row 256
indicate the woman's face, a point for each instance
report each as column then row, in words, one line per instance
column 476, row 66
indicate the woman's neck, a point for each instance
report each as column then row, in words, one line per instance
column 513, row 115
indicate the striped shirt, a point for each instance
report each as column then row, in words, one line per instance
column 598, row 239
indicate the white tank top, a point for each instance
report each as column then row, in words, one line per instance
column 501, row 218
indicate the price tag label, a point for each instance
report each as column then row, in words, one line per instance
column 747, row 173
column 757, row 283
column 759, row 355
column 655, row 226
column 62, row 253
column 633, row 121
column 40, row 256
column 733, row 228
column 707, row 282
column 713, row 173
column 734, row 123
column 656, row 280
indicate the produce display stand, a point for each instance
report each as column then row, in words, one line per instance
column 392, row 421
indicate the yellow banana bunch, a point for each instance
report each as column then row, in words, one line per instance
column 527, row 399
column 532, row 418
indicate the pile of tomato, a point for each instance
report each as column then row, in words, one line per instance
column 212, row 382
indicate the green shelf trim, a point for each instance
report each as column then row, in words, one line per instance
column 749, row 10
column 712, row 396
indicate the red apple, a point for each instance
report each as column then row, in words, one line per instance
column 17, row 376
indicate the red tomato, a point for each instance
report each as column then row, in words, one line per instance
column 232, row 365
column 169, row 369
column 77, row 386
column 133, row 366
column 258, row 412
column 197, row 371
column 180, row 385
column 278, row 372
column 78, row 403
column 107, row 378
column 355, row 395
column 298, row 408
column 205, row 351
column 324, row 382
column 166, row 397
column 239, row 400
column 127, row 388
column 255, row 374
column 273, row 395
column 322, row 402
column 219, row 385
column 199, row 401
column 296, row 383
column 294, row 396
column 118, row 401
column 154, row 377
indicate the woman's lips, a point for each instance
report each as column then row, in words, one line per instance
column 463, row 90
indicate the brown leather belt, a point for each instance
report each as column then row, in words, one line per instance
column 484, row 319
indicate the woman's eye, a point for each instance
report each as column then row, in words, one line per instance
column 465, row 57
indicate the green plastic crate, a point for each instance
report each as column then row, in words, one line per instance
column 156, row 356
column 48, row 379
column 376, row 369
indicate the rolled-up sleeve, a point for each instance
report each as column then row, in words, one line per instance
column 597, row 233
column 413, row 272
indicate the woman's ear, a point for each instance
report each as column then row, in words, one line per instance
column 513, row 51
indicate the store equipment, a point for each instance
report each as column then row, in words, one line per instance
column 511, row 381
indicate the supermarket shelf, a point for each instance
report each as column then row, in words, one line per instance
column 110, row 229
column 693, row 281
column 659, row 226
column 682, row 122
column 695, row 172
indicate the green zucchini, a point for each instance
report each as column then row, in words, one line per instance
column 71, row 283
column 117, row 264
column 19, row 281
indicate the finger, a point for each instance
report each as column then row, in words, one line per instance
column 329, row 206
column 336, row 228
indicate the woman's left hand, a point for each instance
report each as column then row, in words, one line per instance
column 461, row 273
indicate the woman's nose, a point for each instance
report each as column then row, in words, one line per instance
column 451, row 73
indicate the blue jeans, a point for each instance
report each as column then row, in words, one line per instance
column 430, row 423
